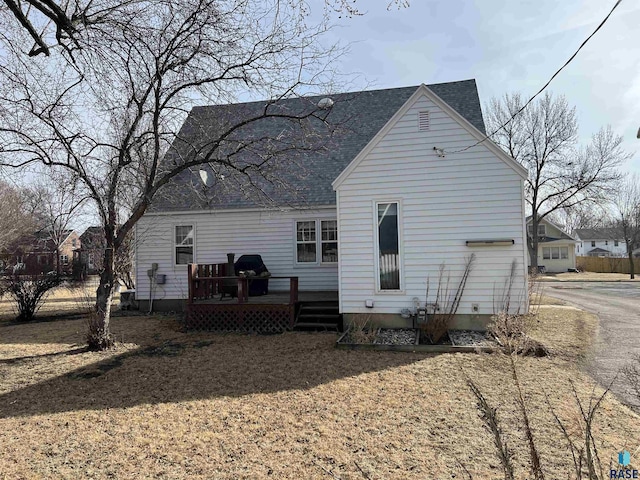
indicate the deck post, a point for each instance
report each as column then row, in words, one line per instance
column 293, row 290
column 241, row 289
column 191, row 270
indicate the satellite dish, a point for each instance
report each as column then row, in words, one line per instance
column 325, row 103
column 205, row 177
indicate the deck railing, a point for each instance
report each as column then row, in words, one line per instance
column 206, row 281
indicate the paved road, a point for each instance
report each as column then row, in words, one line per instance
column 617, row 304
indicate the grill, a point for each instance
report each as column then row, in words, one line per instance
column 258, row 283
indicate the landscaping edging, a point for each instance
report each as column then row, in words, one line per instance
column 413, row 348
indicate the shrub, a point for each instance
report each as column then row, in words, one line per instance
column 29, row 293
column 361, row 330
column 446, row 302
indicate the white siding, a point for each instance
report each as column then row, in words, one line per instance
column 472, row 195
column 269, row 234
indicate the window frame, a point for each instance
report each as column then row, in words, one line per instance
column 546, row 253
column 593, row 243
column 544, row 229
column 175, row 245
column 376, row 246
column 304, row 242
column 318, row 242
column 616, row 243
column 64, row 259
column 321, row 241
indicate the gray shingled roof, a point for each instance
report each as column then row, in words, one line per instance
column 294, row 178
column 610, row 233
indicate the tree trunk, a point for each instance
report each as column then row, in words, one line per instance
column 99, row 335
column 532, row 246
column 632, row 272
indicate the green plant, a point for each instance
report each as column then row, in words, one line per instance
column 446, row 302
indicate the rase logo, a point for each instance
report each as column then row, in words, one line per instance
column 624, row 459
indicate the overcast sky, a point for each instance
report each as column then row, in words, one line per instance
column 508, row 46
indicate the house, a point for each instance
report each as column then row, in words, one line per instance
column 35, row 253
column 409, row 181
column 600, row 242
column 556, row 248
column 92, row 251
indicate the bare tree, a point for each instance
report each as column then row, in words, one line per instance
column 56, row 204
column 109, row 115
column 627, row 213
column 16, row 219
column 543, row 139
column 581, row 216
column 51, row 23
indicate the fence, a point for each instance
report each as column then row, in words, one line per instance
column 607, row 264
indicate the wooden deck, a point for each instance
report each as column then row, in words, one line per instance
column 208, row 309
column 274, row 298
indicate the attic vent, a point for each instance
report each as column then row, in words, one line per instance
column 423, row 121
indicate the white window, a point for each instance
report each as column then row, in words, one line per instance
column 90, row 260
column 593, row 243
column 184, row 236
column 306, row 242
column 64, row 259
column 555, row 253
column 312, row 248
column 329, row 241
column 542, row 229
column 388, row 244
column 615, row 243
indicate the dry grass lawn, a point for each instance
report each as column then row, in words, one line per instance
column 60, row 301
column 167, row 404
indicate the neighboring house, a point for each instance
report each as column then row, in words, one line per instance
column 36, row 253
column 92, row 249
column 556, row 248
column 371, row 217
column 600, row 242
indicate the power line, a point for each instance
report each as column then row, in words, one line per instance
column 543, row 87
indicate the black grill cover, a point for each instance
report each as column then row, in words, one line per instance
column 257, row 286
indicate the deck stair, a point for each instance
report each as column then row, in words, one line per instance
column 318, row 315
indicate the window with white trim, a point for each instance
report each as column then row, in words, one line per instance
column 616, row 243
column 542, row 229
column 388, row 243
column 329, row 241
column 593, row 243
column 184, row 241
column 555, row 253
column 64, row 259
column 306, row 242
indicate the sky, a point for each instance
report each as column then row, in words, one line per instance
column 507, row 46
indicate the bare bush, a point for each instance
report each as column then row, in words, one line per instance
column 489, row 416
column 361, row 330
column 446, row 302
column 29, row 293
column 582, row 446
column 535, row 289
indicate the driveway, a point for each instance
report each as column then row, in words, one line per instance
column 617, row 305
